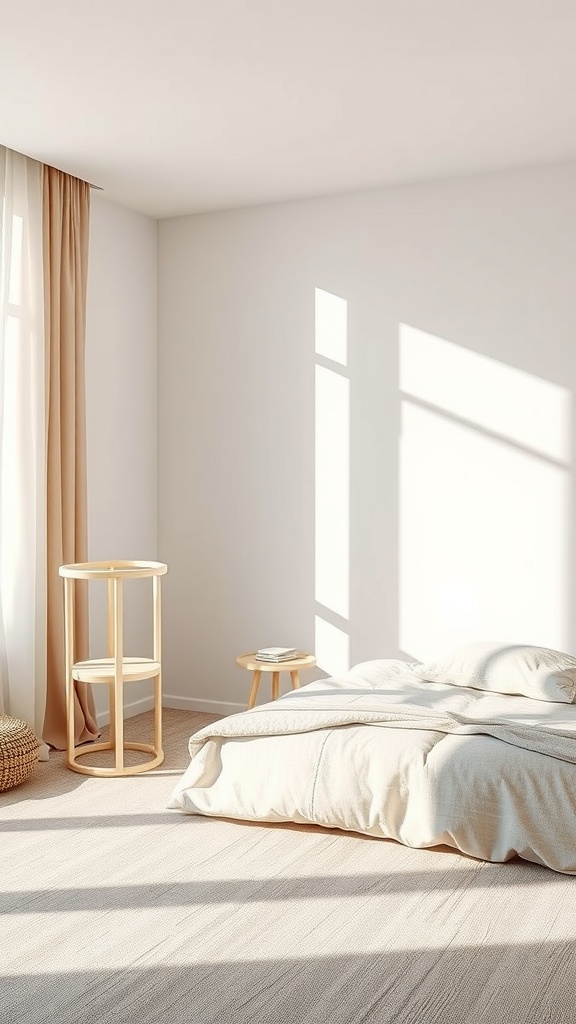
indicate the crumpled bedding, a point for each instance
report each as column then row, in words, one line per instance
column 381, row 752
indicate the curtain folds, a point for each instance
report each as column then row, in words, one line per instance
column 44, row 221
column 66, row 211
column 22, row 444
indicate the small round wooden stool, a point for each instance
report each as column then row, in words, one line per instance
column 114, row 670
column 292, row 666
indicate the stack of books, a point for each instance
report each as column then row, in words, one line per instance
column 276, row 654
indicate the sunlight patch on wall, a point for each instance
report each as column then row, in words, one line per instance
column 332, row 476
column 490, row 394
column 332, row 647
column 331, row 326
column 332, row 491
column 484, row 519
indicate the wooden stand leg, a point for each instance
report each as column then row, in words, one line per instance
column 70, row 643
column 158, row 716
column 275, row 685
column 295, row 679
column 112, row 708
column 111, row 690
column 118, row 738
column 254, row 691
column 157, row 611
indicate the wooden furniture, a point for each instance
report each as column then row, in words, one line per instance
column 115, row 670
column 293, row 666
column 18, row 751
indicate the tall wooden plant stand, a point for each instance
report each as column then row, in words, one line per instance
column 115, row 670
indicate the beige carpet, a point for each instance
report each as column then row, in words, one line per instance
column 116, row 910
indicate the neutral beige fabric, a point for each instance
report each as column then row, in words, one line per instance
column 118, row 911
column 66, row 209
column 388, row 755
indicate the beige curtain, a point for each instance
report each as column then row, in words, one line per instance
column 66, row 211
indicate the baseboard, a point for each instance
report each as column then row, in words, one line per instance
column 135, row 707
column 209, row 707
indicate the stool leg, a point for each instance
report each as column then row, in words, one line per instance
column 254, row 690
column 295, row 679
column 275, row 685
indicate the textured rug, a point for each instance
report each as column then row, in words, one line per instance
column 116, row 910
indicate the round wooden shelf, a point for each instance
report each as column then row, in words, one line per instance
column 114, row 569
column 101, row 670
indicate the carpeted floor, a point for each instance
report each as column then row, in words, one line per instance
column 116, row 910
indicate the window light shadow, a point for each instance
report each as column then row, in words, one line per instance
column 484, row 493
column 271, row 890
column 427, row 983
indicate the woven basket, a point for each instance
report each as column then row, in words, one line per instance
column 18, row 751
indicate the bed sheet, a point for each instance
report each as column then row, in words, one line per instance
column 383, row 753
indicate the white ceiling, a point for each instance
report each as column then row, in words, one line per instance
column 179, row 106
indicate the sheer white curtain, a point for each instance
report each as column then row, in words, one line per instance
column 22, row 444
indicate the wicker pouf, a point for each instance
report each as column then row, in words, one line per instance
column 18, row 751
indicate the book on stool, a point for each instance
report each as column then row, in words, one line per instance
column 276, row 654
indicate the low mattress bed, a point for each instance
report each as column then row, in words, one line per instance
column 397, row 751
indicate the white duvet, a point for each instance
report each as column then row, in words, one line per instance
column 386, row 754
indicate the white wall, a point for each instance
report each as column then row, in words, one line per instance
column 122, row 419
column 461, row 508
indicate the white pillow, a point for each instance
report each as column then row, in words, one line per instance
column 507, row 668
